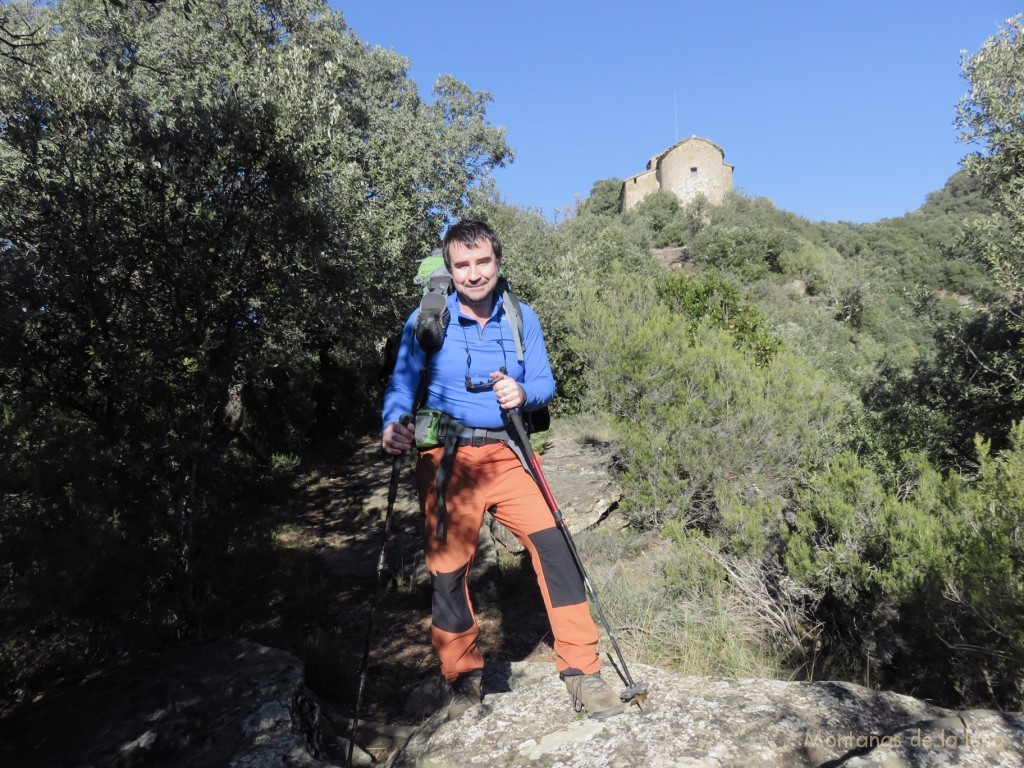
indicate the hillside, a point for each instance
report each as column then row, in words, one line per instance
column 795, row 407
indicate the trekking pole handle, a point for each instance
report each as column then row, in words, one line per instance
column 405, row 420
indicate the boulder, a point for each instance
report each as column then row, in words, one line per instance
column 226, row 704
column 670, row 257
column 581, row 480
column 527, row 719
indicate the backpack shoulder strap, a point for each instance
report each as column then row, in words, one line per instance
column 431, row 325
column 515, row 316
column 432, row 320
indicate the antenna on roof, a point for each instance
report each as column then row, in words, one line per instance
column 675, row 100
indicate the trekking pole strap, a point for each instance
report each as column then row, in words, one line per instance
column 444, row 467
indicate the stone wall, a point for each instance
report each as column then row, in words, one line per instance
column 636, row 188
column 688, row 168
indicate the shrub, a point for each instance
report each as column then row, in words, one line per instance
column 748, row 250
column 986, row 588
column 604, row 198
column 717, row 301
column 658, row 215
column 920, row 583
column 707, row 433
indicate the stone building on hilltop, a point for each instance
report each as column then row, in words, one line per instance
column 689, row 167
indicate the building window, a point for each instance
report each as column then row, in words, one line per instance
column 693, row 171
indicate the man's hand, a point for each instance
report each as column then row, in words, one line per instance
column 397, row 438
column 508, row 391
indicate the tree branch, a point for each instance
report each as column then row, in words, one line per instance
column 12, row 40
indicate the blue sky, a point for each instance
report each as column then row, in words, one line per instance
column 833, row 110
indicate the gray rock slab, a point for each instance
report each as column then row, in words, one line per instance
column 527, row 719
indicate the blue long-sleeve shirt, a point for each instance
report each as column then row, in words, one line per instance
column 476, row 351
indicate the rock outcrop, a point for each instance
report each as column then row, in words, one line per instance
column 526, row 719
column 228, row 704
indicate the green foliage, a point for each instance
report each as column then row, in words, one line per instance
column 875, row 563
column 719, row 302
column 658, row 215
column 886, row 285
column 706, row 430
column 200, row 202
column 604, row 198
column 941, row 403
column 854, row 540
column 967, row 380
column 992, row 114
column 961, row 196
column 921, row 582
column 987, row 586
column 746, row 249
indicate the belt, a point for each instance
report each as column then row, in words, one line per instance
column 478, row 437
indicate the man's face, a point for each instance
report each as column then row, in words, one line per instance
column 474, row 270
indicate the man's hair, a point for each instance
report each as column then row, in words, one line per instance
column 468, row 232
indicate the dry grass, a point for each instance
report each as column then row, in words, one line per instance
column 673, row 606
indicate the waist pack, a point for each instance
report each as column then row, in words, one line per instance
column 434, row 428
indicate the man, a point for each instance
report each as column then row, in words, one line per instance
column 474, row 380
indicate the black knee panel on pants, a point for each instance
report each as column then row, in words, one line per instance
column 450, row 610
column 565, row 585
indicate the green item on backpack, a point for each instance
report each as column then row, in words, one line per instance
column 433, row 263
column 432, row 320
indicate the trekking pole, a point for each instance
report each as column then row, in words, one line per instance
column 635, row 693
column 396, row 468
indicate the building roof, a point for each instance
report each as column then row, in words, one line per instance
column 638, row 175
column 653, row 162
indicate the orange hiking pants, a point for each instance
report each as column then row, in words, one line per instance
column 482, row 477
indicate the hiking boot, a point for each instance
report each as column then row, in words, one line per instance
column 592, row 693
column 467, row 691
